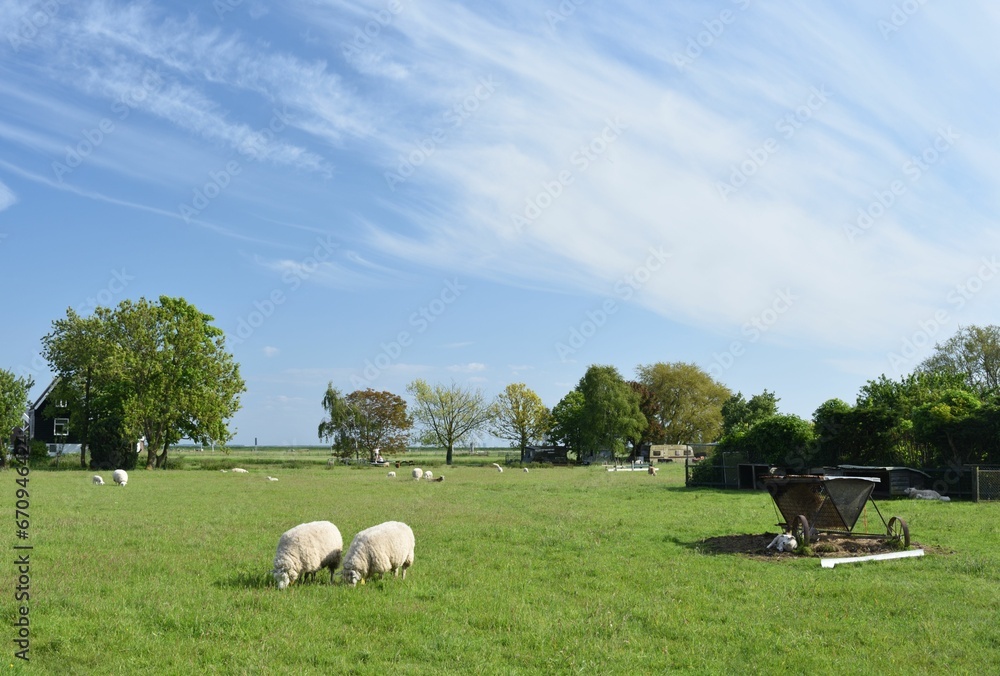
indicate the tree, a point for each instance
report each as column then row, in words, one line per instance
column 13, row 404
column 77, row 350
column 610, row 414
column 162, row 367
column 448, row 415
column 520, row 417
column 739, row 415
column 654, row 433
column 567, row 421
column 366, row 421
column 972, row 353
column 948, row 423
column 689, row 401
column 781, row 439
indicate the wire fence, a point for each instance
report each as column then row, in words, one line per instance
column 989, row 484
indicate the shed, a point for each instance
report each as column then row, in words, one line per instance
column 893, row 481
column 557, row 455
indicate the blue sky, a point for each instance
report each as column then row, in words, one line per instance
column 794, row 198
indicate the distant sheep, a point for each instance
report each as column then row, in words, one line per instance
column 498, row 467
column 120, row 477
column 271, row 478
column 928, row 494
column 223, row 470
column 525, row 470
column 378, row 550
column 305, row 549
column 98, row 480
column 783, row 543
column 240, row 470
column 653, row 470
column 331, row 461
column 391, row 475
column 429, row 475
column 417, row 473
column 440, row 478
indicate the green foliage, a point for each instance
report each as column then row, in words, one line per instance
column 972, row 354
column 111, row 447
column 519, row 416
column 13, row 403
column 610, row 415
column 568, row 421
column 739, row 415
column 448, row 415
column 688, row 401
column 38, row 453
column 365, row 421
column 783, row 440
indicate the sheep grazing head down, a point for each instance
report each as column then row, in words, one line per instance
column 352, row 577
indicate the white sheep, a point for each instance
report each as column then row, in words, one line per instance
column 783, row 543
column 498, row 467
column 240, row 470
column 305, row 549
column 525, row 470
column 120, row 477
column 417, row 473
column 378, row 550
column 391, row 475
column 271, row 478
column 223, row 470
column 928, row 494
column 429, row 475
column 98, row 480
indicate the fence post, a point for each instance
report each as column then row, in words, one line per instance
column 975, row 485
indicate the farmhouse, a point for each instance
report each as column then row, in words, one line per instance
column 48, row 421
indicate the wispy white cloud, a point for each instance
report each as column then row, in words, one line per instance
column 7, row 196
column 471, row 367
column 271, row 351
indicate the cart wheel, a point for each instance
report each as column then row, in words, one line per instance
column 899, row 531
column 800, row 530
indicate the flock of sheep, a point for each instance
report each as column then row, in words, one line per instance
column 120, row 477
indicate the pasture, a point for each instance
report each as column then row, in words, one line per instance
column 555, row 570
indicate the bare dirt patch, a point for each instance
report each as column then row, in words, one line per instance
column 755, row 546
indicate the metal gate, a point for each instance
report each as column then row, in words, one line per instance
column 988, row 484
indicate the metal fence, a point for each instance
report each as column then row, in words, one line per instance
column 988, row 484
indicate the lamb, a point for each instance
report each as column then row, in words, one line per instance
column 783, row 543
column 240, row 470
column 498, row 468
column 391, row 475
column 653, row 470
column 928, row 494
column 417, row 473
column 271, row 478
column 378, row 550
column 429, row 475
column 120, row 477
column 98, row 480
column 305, row 549
column 525, row 470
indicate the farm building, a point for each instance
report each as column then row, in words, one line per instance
column 669, row 452
column 557, row 455
column 48, row 421
column 893, row 481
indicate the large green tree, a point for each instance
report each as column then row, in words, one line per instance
column 448, row 415
column 972, row 353
column 739, row 415
column 568, row 422
column 161, row 370
column 365, row 421
column 520, row 417
column 653, row 433
column 949, row 423
column 689, row 401
column 13, row 404
column 610, row 415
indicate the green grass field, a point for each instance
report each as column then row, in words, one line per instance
column 556, row 570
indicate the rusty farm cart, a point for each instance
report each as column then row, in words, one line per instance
column 813, row 503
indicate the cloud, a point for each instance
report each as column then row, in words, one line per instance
column 472, row 367
column 7, row 196
column 270, row 351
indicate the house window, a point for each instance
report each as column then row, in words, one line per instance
column 61, row 427
column 61, row 403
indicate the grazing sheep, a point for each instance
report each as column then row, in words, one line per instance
column 417, row 473
column 98, row 480
column 928, row 494
column 331, row 461
column 120, row 477
column 223, row 470
column 306, row 548
column 429, row 475
column 271, row 478
column 440, row 478
column 391, row 475
column 378, row 550
column 498, row 467
column 240, row 470
column 653, row 470
column 525, row 470
column 783, row 543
